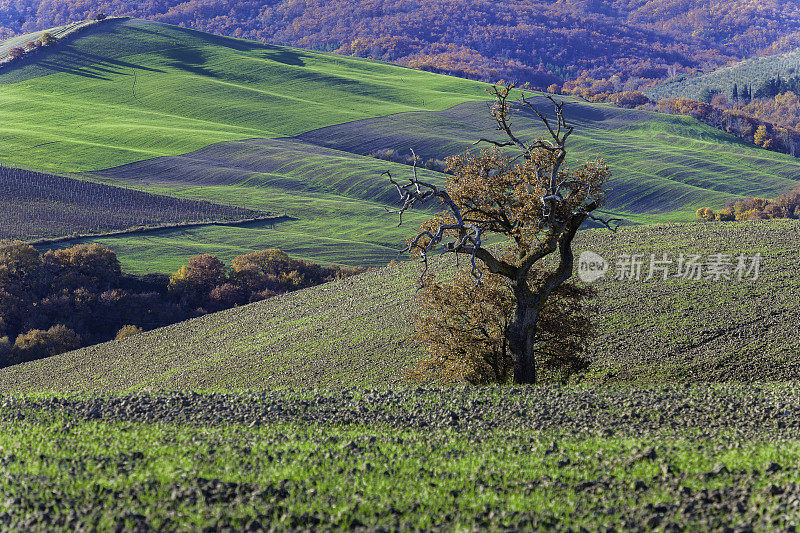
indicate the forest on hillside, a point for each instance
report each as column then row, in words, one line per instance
column 631, row 41
column 63, row 299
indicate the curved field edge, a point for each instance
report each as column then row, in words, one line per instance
column 663, row 167
column 355, row 332
column 131, row 90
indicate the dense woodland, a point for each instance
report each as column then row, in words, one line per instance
column 534, row 41
column 60, row 300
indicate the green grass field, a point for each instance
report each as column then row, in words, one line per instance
column 699, row 458
column 167, row 109
column 330, row 229
column 130, row 90
column 357, row 332
column 664, row 169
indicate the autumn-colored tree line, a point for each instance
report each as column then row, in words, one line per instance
column 758, row 122
column 770, row 121
column 786, row 205
column 532, row 41
column 63, row 299
column 45, row 39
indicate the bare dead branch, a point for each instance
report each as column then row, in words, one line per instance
column 496, row 143
column 606, row 222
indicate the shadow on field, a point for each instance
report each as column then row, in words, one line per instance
column 188, row 59
column 73, row 61
column 287, row 57
column 271, row 52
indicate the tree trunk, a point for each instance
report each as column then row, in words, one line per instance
column 522, row 337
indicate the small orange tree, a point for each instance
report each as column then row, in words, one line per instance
column 463, row 327
column 533, row 199
column 706, row 213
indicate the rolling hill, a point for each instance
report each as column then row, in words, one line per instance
column 128, row 90
column 174, row 111
column 477, row 38
column 751, row 72
column 355, row 332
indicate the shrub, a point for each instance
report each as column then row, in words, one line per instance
column 47, row 39
column 91, row 260
column 100, row 16
column 201, row 272
column 195, row 280
column 16, row 52
column 37, row 343
column 269, row 269
column 128, row 331
column 761, row 137
column 774, row 211
column 705, row 213
column 790, row 202
column 5, row 351
column 226, row 296
column 629, row 99
column 725, row 215
column 20, row 260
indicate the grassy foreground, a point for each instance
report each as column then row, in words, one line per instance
column 675, row 458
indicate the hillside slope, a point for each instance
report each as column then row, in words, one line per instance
column 664, row 168
column 128, row 90
column 355, row 331
column 752, row 72
column 179, row 112
column 663, row 165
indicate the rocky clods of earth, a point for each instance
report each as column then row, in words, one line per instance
column 635, row 477
column 744, row 410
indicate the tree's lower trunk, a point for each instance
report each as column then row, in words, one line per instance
column 522, row 337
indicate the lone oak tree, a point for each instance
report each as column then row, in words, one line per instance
column 533, row 199
column 463, row 327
